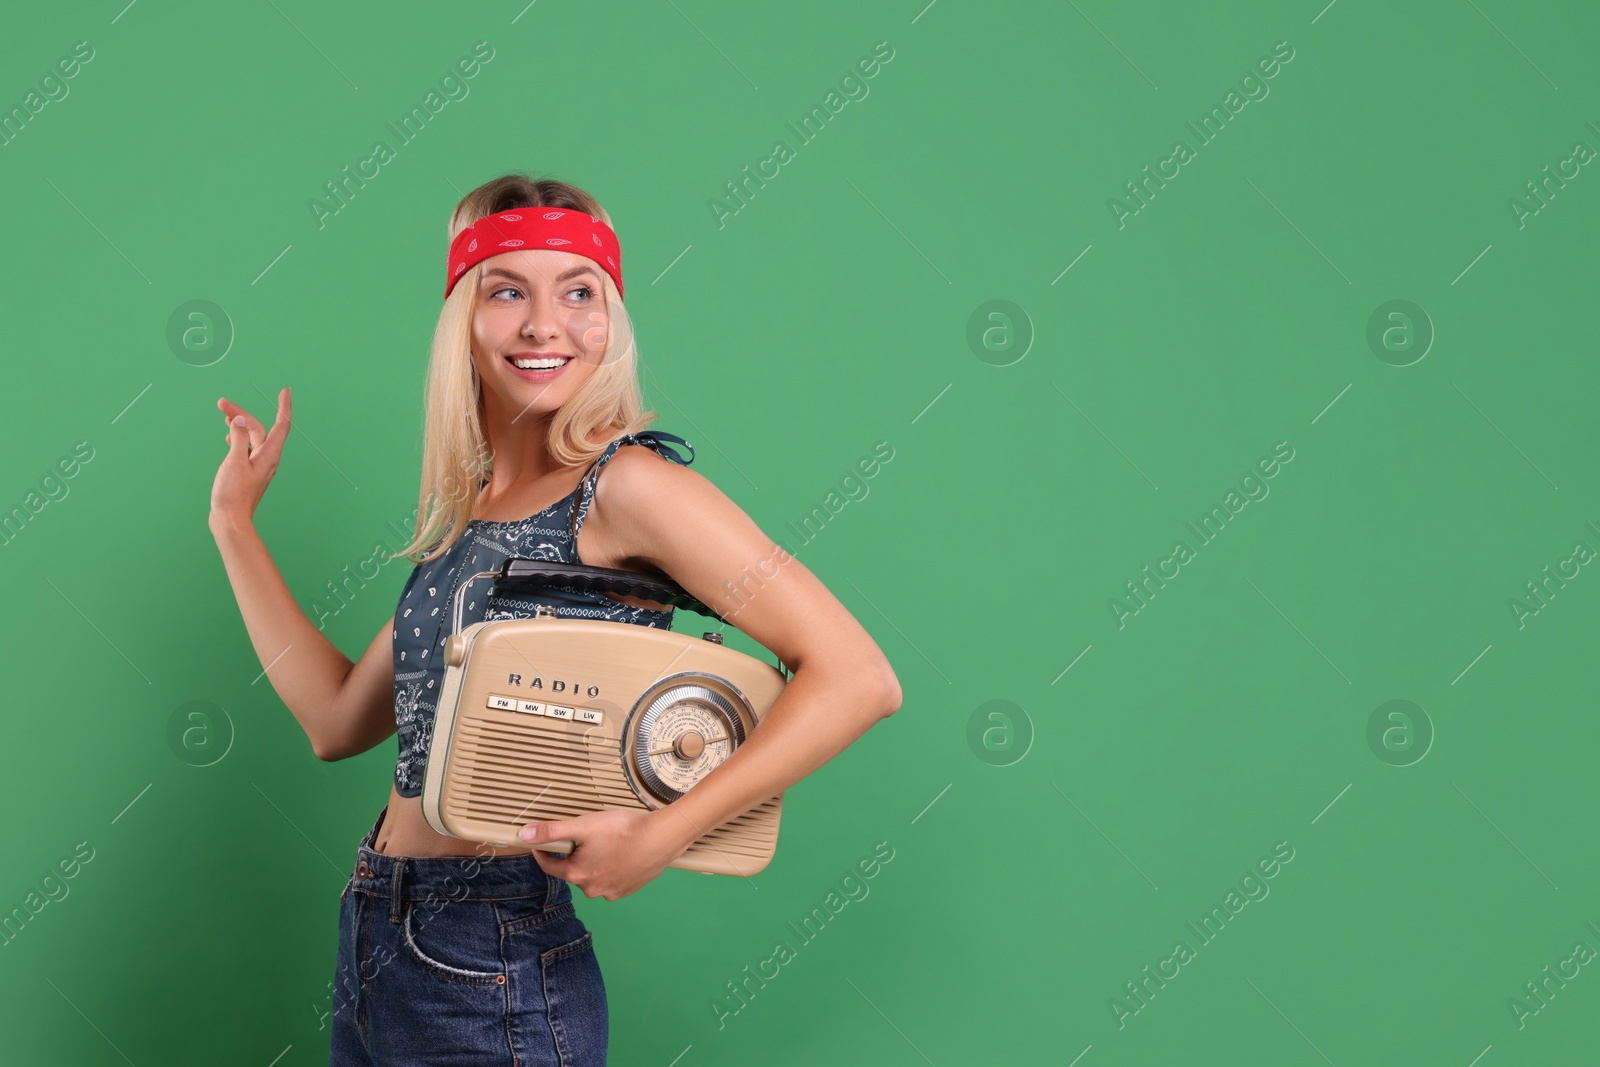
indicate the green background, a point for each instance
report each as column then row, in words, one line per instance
column 1042, row 858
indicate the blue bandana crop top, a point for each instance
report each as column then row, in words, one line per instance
column 422, row 619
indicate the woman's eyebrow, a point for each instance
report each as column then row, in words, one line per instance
column 563, row 276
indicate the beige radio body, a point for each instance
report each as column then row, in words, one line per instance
column 550, row 718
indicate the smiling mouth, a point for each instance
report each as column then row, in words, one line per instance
column 554, row 363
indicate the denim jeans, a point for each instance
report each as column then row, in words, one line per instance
column 460, row 960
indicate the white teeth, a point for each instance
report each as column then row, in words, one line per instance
column 538, row 364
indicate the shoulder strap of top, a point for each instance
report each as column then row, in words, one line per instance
column 655, row 440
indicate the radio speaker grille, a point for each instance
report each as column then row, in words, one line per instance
column 508, row 772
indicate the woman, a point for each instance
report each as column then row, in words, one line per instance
column 468, row 952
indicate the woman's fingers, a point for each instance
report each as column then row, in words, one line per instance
column 247, row 437
column 230, row 411
column 280, row 426
column 254, row 435
column 238, row 439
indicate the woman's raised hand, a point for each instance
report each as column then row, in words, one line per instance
column 251, row 461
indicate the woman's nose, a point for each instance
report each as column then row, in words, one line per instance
column 544, row 320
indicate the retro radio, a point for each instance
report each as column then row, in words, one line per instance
column 551, row 717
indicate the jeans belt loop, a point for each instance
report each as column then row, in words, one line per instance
column 395, row 879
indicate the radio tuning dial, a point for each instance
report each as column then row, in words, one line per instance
column 680, row 732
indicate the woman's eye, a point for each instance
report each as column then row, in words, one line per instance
column 586, row 291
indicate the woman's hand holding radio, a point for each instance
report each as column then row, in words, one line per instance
column 252, row 459
column 615, row 852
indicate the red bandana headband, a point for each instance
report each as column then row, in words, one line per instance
column 563, row 229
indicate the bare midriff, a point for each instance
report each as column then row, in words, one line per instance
column 405, row 832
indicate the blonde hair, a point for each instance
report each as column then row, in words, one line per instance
column 455, row 449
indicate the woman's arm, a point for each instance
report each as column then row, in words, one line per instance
column 826, row 706
column 308, row 671
column 339, row 708
column 676, row 520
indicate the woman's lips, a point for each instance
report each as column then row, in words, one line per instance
column 536, row 375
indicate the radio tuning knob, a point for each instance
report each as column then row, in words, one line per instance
column 455, row 647
column 689, row 746
column 712, row 636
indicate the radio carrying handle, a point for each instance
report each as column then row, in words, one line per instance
column 519, row 573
